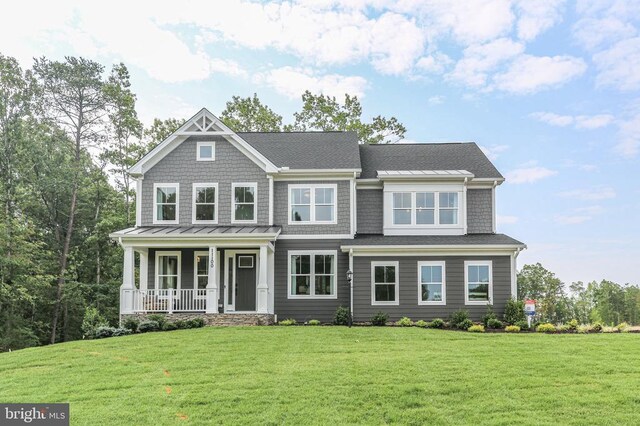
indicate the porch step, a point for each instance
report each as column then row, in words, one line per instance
column 211, row 319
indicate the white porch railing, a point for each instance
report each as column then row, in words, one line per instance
column 166, row 300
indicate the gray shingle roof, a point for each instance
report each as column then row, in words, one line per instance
column 426, row 156
column 307, row 150
column 428, row 240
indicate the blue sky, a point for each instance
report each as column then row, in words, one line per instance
column 550, row 89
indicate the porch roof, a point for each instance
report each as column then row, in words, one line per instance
column 198, row 232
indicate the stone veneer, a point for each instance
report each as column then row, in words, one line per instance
column 211, row 319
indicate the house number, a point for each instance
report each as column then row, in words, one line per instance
column 211, row 260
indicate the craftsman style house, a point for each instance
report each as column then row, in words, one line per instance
column 250, row 227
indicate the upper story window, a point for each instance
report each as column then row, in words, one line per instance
column 312, row 274
column 384, row 283
column 312, row 204
column 478, row 282
column 425, row 208
column 244, row 196
column 206, row 151
column 205, row 202
column 431, row 283
column 166, row 201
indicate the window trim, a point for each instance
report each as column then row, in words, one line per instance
column 436, row 209
column 213, row 150
column 194, row 186
column 442, row 264
column 468, row 263
column 235, row 185
column 373, row 283
column 195, row 272
column 246, row 256
column 312, row 203
column 159, row 254
column 312, row 274
column 156, row 221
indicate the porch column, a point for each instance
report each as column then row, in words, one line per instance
column 127, row 289
column 263, row 286
column 212, row 283
column 144, row 268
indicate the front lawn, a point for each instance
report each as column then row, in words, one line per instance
column 333, row 375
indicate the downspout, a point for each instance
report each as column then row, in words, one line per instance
column 351, row 284
column 493, row 203
column 514, row 276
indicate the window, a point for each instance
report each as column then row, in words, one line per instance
column 245, row 262
column 206, row 151
column 401, row 208
column 201, row 268
column 205, row 200
column 244, row 202
column 310, row 204
column 478, row 279
column 312, row 274
column 167, row 270
column 384, row 283
column 448, row 208
column 425, row 208
column 166, row 198
column 431, row 283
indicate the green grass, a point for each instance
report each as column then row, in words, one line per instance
column 333, row 375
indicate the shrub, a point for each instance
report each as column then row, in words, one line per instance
column 195, row 323
column 380, row 319
column 609, row 330
column 168, row 326
column 546, row 328
column 512, row 329
column 314, row 322
column 131, row 324
column 622, row 327
column 146, row 326
column 422, row 323
column 494, row 323
column 584, row 329
column 121, row 332
column 573, row 325
column 103, row 332
column 465, row 325
column 597, row 327
column 92, row 321
column 404, row 322
column 159, row 318
column 181, row 324
column 563, row 328
column 436, row 323
column 489, row 315
column 514, row 312
column 477, row 328
column 458, row 317
column 342, row 316
column 524, row 325
column 288, row 321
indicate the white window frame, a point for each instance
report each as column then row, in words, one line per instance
column 157, row 221
column 245, row 256
column 312, row 206
column 373, row 283
column 468, row 263
column 312, row 273
column 235, row 185
column 444, row 283
column 213, row 151
column 196, row 254
column 194, row 192
column 160, row 254
column 436, row 209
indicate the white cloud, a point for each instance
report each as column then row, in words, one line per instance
column 618, row 66
column 292, row 82
column 572, row 219
column 590, row 194
column 537, row 16
column 433, row 64
column 492, row 152
column 435, row 100
column 593, row 32
column 578, row 121
column 164, row 106
column 629, row 137
column 506, row 220
column 529, row 174
column 552, row 118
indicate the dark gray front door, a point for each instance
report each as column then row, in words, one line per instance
column 245, row 282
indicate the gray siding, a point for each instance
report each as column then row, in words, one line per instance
column 479, row 211
column 369, row 210
column 181, row 166
column 304, row 310
column 454, row 275
column 281, row 209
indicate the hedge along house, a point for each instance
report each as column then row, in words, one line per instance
column 249, row 227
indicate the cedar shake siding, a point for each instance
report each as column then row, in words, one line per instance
column 369, row 210
column 479, row 211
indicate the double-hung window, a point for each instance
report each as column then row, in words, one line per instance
column 166, row 201
column 167, row 270
column 448, row 208
column 244, row 197
column 384, row 283
column 201, row 273
column 205, row 200
column 312, row 274
column 478, row 282
column 425, row 208
column 402, row 208
column 431, row 283
column 312, row 204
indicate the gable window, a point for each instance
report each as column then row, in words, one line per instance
column 312, row 204
column 431, row 283
column 244, row 202
column 384, row 283
column 167, row 270
column 201, row 269
column 166, row 198
column 312, row 274
column 205, row 200
column 206, row 151
column 425, row 208
column 478, row 287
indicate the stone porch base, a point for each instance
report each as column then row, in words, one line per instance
column 211, row 319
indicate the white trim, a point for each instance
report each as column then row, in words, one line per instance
column 312, row 203
column 493, row 207
column 139, row 201
column 442, row 264
column 196, row 254
column 396, row 264
column 156, row 280
column 464, row 202
column 251, row 266
column 155, row 203
column 468, row 263
column 270, row 179
column 414, row 175
column 353, row 205
column 431, row 250
column 231, row 254
column 369, row 184
column 315, row 236
column 312, row 268
column 514, row 274
column 253, row 185
column 194, row 221
column 212, row 144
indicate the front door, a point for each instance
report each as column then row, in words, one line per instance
column 245, row 282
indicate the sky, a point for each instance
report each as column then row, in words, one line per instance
column 549, row 89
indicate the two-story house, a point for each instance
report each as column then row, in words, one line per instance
column 249, row 227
